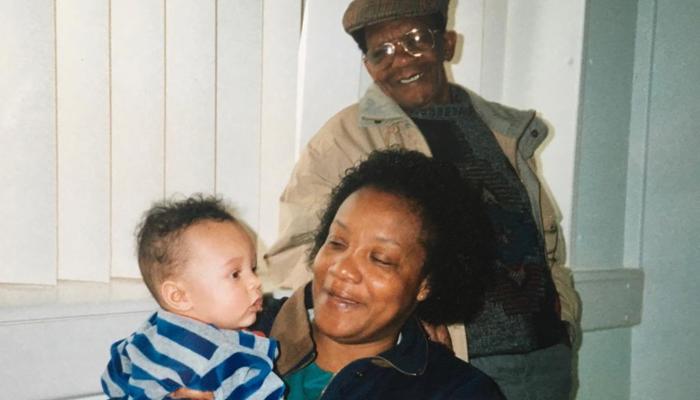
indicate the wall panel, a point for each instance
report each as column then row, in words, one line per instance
column 190, row 137
column 667, row 339
column 138, row 73
column 606, row 92
column 321, row 92
column 27, row 142
column 82, row 54
column 492, row 60
column 239, row 82
column 468, row 22
column 70, row 367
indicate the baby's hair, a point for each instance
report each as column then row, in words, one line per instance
column 158, row 237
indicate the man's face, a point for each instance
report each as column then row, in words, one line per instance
column 412, row 81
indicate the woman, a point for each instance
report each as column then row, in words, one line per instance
column 396, row 242
column 395, row 245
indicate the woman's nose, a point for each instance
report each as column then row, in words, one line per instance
column 346, row 268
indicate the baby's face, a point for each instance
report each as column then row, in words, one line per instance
column 219, row 274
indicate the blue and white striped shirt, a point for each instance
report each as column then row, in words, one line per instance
column 170, row 352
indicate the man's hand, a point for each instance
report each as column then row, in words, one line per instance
column 184, row 393
column 438, row 333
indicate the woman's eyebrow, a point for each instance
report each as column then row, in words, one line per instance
column 385, row 239
column 379, row 237
column 340, row 224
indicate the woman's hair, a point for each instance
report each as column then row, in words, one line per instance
column 456, row 233
column 158, row 244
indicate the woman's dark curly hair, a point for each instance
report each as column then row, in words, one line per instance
column 455, row 230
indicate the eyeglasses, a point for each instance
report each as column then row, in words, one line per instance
column 414, row 42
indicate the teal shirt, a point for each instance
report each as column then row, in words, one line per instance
column 307, row 383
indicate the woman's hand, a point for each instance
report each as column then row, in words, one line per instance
column 438, row 333
column 184, row 393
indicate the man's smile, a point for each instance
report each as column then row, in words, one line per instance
column 411, row 79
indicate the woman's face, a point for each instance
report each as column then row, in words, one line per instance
column 367, row 275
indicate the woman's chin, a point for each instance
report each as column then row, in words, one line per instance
column 336, row 323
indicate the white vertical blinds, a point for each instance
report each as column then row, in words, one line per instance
column 190, row 96
column 138, row 121
column 83, row 139
column 280, row 45
column 239, row 105
column 107, row 106
column 124, row 102
column 27, row 142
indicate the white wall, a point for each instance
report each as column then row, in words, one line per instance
column 665, row 355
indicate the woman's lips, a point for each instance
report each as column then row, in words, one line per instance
column 342, row 299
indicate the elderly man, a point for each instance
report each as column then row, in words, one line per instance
column 523, row 336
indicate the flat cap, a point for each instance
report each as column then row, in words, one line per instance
column 362, row 13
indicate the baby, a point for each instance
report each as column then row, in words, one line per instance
column 199, row 265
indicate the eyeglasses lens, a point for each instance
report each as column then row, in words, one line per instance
column 414, row 42
column 382, row 54
column 417, row 41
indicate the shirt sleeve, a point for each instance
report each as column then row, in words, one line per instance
column 115, row 379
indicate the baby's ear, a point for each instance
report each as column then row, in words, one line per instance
column 174, row 296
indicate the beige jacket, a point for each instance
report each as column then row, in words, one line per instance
column 377, row 122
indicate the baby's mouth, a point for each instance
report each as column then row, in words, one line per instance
column 257, row 304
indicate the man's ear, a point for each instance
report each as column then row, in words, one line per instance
column 370, row 68
column 423, row 290
column 449, row 43
column 174, row 296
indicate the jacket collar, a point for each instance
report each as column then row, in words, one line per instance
column 410, row 355
column 377, row 108
column 293, row 330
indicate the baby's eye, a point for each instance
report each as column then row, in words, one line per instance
column 236, row 274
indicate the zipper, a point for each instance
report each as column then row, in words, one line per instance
column 368, row 359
